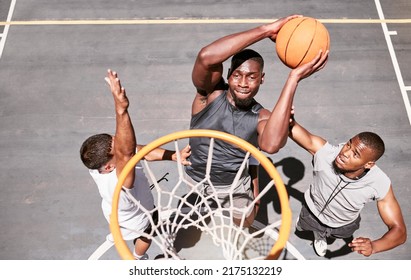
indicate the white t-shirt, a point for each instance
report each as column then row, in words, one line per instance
column 131, row 216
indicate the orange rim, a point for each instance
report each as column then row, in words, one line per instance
column 286, row 214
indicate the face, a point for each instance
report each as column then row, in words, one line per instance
column 354, row 158
column 244, row 83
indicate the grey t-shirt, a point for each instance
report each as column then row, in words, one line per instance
column 345, row 207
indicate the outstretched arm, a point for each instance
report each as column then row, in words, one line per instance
column 124, row 138
column 163, row 154
column 396, row 235
column 310, row 142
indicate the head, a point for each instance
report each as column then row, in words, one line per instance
column 97, row 152
column 359, row 154
column 245, row 77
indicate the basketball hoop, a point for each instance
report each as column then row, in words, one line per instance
column 177, row 210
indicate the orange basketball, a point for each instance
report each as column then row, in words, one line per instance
column 300, row 39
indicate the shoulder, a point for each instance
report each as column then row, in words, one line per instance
column 328, row 150
column 325, row 155
column 380, row 180
column 202, row 101
column 103, row 177
column 263, row 114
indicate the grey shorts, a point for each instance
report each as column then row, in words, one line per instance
column 241, row 195
column 307, row 221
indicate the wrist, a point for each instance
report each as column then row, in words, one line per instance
column 169, row 155
column 121, row 112
column 267, row 31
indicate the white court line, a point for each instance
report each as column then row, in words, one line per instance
column 6, row 27
column 394, row 61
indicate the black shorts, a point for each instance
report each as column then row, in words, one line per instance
column 309, row 222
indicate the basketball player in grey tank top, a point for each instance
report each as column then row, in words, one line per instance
column 230, row 106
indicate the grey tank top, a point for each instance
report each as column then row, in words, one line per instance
column 222, row 116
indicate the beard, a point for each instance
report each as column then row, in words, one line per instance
column 242, row 104
column 337, row 170
column 340, row 171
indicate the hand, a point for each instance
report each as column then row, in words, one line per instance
column 119, row 93
column 184, row 155
column 292, row 119
column 305, row 70
column 361, row 245
column 276, row 26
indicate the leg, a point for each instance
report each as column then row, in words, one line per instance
column 141, row 246
column 307, row 221
column 243, row 197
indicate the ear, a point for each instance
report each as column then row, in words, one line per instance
column 262, row 78
column 108, row 167
column 369, row 164
column 228, row 73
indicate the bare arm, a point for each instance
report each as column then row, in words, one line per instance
column 273, row 127
column 310, row 142
column 208, row 68
column 163, row 154
column 125, row 139
column 396, row 235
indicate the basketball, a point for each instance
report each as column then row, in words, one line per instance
column 300, row 39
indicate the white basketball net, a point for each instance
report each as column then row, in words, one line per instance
column 183, row 208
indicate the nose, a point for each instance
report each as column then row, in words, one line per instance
column 347, row 153
column 243, row 81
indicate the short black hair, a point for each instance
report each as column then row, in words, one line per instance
column 373, row 142
column 244, row 55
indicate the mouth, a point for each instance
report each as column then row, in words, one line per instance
column 339, row 160
column 242, row 92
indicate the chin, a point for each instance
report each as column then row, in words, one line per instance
column 243, row 103
column 337, row 168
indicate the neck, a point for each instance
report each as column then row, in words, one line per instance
column 356, row 175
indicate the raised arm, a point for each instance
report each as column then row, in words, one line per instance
column 396, row 235
column 124, row 138
column 208, row 67
column 273, row 127
column 310, row 142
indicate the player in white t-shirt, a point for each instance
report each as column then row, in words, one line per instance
column 106, row 155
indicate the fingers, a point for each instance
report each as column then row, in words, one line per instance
column 294, row 16
column 112, row 78
column 292, row 114
column 114, row 82
column 118, row 92
column 362, row 246
column 317, row 63
column 187, row 148
column 322, row 61
column 185, row 154
column 187, row 151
